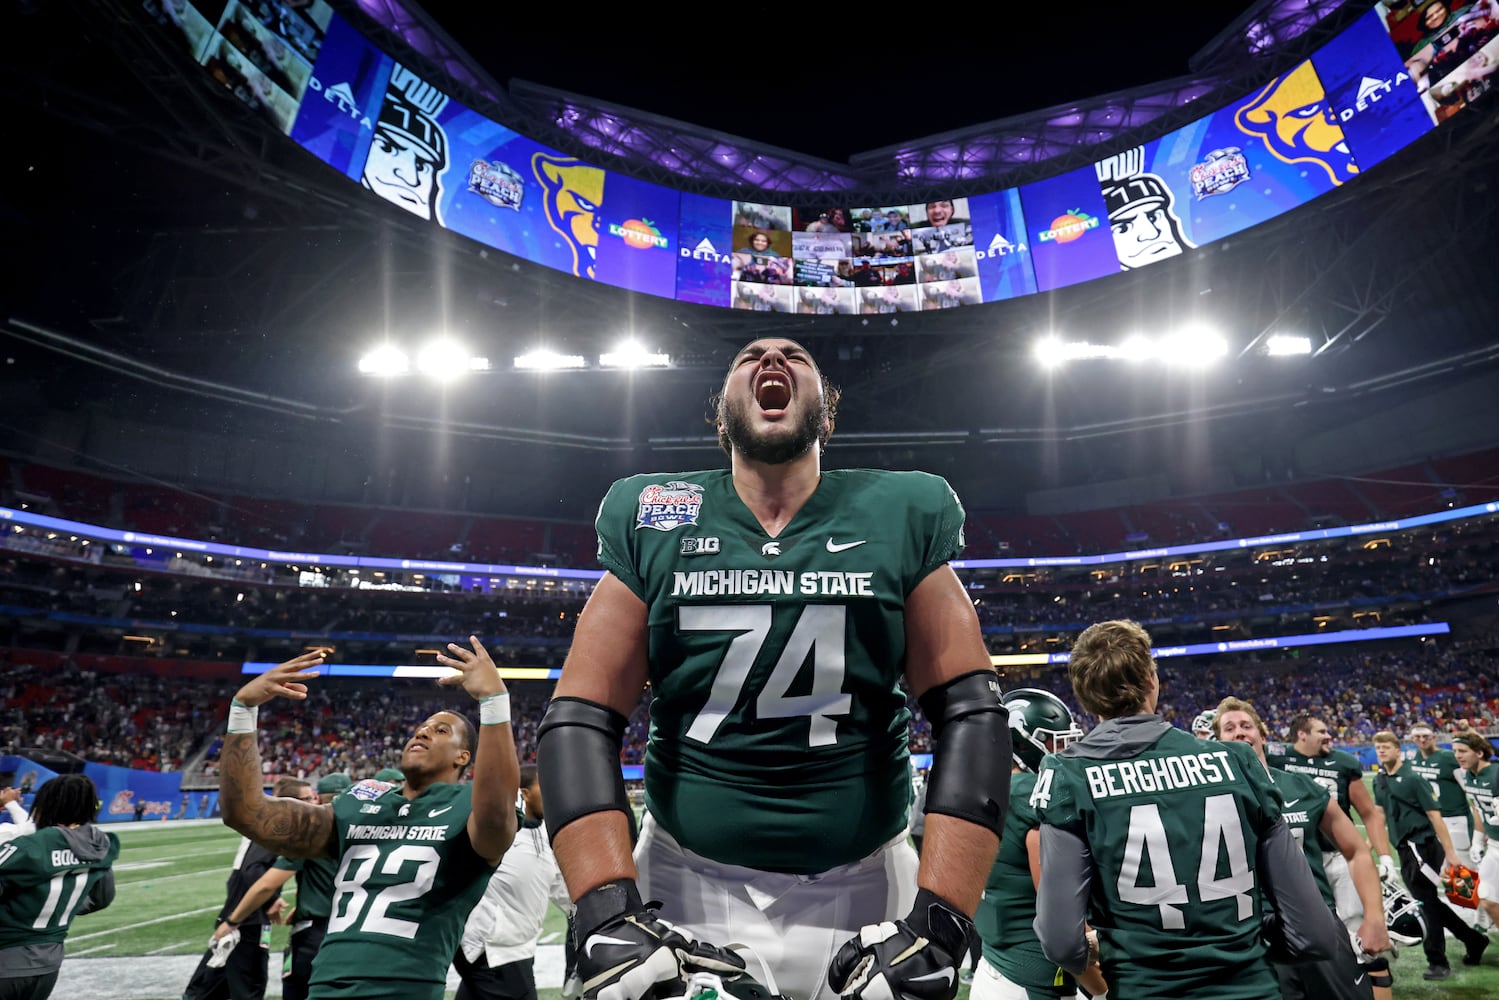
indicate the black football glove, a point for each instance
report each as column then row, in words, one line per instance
column 915, row 958
column 626, row 952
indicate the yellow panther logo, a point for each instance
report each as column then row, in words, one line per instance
column 573, row 194
column 1292, row 118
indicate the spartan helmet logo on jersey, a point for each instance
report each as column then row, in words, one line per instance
column 1039, row 724
column 1402, row 914
column 1202, row 726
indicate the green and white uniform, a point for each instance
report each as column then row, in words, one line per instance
column 1335, row 771
column 1440, row 771
column 1305, row 802
column 46, row 879
column 778, row 744
column 1172, row 826
column 407, row 878
column 1008, row 910
column 775, row 663
column 1483, row 789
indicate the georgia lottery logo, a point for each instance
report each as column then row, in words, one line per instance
column 1069, row 226
column 1220, row 171
column 498, row 183
column 639, row 234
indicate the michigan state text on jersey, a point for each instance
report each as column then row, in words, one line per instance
column 407, row 878
column 743, row 734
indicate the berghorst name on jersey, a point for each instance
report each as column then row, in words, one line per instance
column 1158, row 774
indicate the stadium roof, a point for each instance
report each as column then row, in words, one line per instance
column 174, row 263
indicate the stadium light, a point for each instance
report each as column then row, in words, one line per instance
column 385, row 360
column 444, row 359
column 1284, row 345
column 549, row 361
column 631, row 355
column 1193, row 347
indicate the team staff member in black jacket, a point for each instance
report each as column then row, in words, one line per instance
column 1423, row 843
column 241, row 974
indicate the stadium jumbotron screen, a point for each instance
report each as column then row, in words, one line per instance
column 1384, row 81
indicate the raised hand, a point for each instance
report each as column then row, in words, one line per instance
column 282, row 681
column 476, row 671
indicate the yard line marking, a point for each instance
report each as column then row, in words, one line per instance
column 90, row 951
column 169, row 947
column 149, row 880
column 144, row 923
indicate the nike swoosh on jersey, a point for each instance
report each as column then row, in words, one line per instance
column 438, row 812
column 836, row 547
column 1291, row 802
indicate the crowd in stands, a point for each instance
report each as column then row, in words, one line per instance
column 359, row 725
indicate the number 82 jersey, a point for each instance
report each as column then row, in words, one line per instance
column 407, row 878
column 775, row 662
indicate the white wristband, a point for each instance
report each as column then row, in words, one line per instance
column 242, row 718
column 494, row 709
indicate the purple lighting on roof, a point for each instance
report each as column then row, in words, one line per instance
column 977, row 153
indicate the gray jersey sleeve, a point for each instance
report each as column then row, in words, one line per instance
column 1299, row 927
column 1062, row 898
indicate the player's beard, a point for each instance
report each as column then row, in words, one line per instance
column 767, row 449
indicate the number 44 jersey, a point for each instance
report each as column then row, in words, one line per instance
column 775, row 663
column 1174, row 826
column 407, row 879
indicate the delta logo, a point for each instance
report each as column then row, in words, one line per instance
column 705, row 250
column 1069, row 226
column 341, row 96
column 1001, row 247
column 1370, row 93
column 640, row 234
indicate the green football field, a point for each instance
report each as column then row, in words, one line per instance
column 170, row 881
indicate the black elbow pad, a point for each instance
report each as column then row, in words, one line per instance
column 971, row 761
column 577, row 756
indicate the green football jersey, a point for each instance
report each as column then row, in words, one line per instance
column 1305, row 803
column 1483, row 789
column 43, row 882
column 1335, row 771
column 1174, row 833
column 1405, row 798
column 1440, row 771
column 775, row 662
column 1008, row 909
column 314, row 886
column 407, row 878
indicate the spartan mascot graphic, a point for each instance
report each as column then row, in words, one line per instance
column 1294, row 120
column 1141, row 211
column 410, row 149
column 573, row 194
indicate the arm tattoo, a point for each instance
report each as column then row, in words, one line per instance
column 290, row 828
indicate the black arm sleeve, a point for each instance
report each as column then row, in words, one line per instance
column 1299, row 926
column 971, row 760
column 1062, row 898
column 577, row 757
column 100, row 896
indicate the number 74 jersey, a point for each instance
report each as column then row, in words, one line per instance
column 775, row 663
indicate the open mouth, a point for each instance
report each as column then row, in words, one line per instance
column 773, row 391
